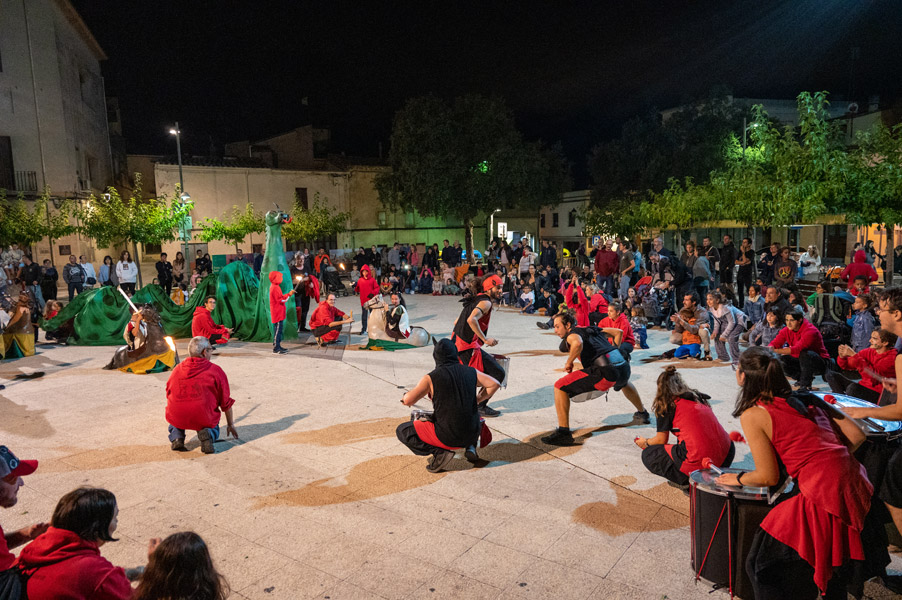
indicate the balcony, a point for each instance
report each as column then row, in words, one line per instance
column 26, row 181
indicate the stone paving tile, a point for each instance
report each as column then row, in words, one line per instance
column 492, row 564
column 393, row 575
column 583, row 552
column 294, row 580
column 546, row 580
column 448, row 584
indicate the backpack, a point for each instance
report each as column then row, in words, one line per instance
column 13, row 584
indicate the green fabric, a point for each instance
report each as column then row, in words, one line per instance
column 386, row 345
column 273, row 260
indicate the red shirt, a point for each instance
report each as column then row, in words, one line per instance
column 883, row 364
column 323, row 315
column 7, row 559
column 858, row 267
column 277, row 299
column 196, row 392
column 598, row 303
column 808, row 337
column 311, row 289
column 582, row 305
column 623, row 324
column 700, row 435
column 202, row 324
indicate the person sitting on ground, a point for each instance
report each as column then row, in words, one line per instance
column 692, row 342
column 327, row 321
column 196, row 393
column 455, row 421
column 397, row 323
column 202, row 323
column 859, row 286
column 639, row 325
column 12, row 470
column 700, row 327
column 51, row 309
column 686, row 413
column 795, row 299
column 180, row 294
column 551, row 308
column 604, row 367
column 576, row 300
column 801, row 349
column 827, row 306
column 177, row 565
column 764, row 332
column 774, row 297
column 617, row 320
column 195, row 279
column 437, row 285
column 859, row 266
column 135, row 331
column 65, row 561
column 873, row 364
column 527, row 302
column 754, row 304
column 862, row 322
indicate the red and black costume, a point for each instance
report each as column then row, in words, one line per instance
column 604, row 367
column 469, row 346
column 309, row 291
column 699, row 435
column 322, row 317
column 202, row 325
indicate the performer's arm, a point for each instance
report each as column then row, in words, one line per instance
column 422, row 389
column 473, row 322
column 484, row 381
column 660, row 438
column 756, row 424
column 890, row 412
column 614, row 333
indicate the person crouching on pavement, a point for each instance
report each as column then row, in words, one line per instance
column 327, row 321
column 604, row 367
column 456, row 422
column 196, row 392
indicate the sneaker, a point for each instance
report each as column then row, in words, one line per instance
column 206, row 441
column 471, row 455
column 642, row 416
column 558, row 437
column 439, row 461
column 668, row 354
column 178, row 445
column 280, row 351
column 487, row 411
column 542, row 325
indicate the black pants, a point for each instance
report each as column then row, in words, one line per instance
column 214, row 338
column 843, row 385
column 75, row 288
column 656, row 460
column 785, row 575
column 166, row 284
column 806, row 366
column 324, row 329
column 305, row 307
column 407, row 434
column 743, row 281
column 128, row 288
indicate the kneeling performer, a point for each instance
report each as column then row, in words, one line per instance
column 452, row 388
column 604, row 367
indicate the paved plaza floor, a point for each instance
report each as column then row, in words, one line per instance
column 318, row 499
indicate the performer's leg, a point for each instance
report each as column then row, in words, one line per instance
column 407, row 435
column 305, row 308
column 656, row 460
column 632, row 394
column 562, row 407
column 363, row 319
column 177, row 439
column 859, row 391
column 839, row 382
column 277, row 336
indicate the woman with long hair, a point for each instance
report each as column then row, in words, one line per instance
column 127, row 272
column 178, row 268
column 806, row 543
column 685, row 412
column 810, row 261
column 181, row 567
column 107, row 271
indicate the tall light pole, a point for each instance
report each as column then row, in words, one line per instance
column 183, row 195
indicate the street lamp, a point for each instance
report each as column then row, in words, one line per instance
column 745, row 130
column 183, row 228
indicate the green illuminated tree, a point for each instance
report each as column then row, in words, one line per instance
column 457, row 160
column 314, row 223
column 23, row 226
column 235, row 227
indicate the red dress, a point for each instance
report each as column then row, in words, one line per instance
column 823, row 522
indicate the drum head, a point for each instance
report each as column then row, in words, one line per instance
column 703, row 480
column 883, row 429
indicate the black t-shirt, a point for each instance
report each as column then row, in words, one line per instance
column 750, row 255
column 595, row 344
column 164, row 270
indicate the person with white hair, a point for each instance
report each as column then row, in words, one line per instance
column 196, row 394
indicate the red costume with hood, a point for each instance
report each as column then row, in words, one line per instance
column 202, row 325
column 323, row 315
column 858, row 267
column 196, row 392
column 367, row 287
column 277, row 299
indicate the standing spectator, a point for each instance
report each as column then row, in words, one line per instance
column 581, row 259
column 627, row 266
column 311, row 292
column 361, row 258
column 766, row 263
column 702, row 276
column 178, row 268
column 447, row 255
column 729, row 323
column 873, row 257
column 728, row 256
column 548, row 255
column 74, row 276
column 394, row 256
column 801, row 349
column 127, row 272
column 203, row 264
column 745, row 274
column 658, row 246
column 377, row 261
column 164, row 273
column 458, row 253
column 31, row 277
column 107, row 271
column 12, row 470
column 506, row 254
column 713, row 256
column 258, row 263
column 878, row 358
column 90, row 273
column 606, row 263
column 413, row 257
column 810, row 261
column 689, row 256
column 11, row 260
column 897, row 260
column 49, row 277
column 277, row 311
column 858, row 267
column 785, row 268
column 527, row 260
column 430, row 258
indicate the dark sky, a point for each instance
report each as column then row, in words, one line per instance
column 572, row 71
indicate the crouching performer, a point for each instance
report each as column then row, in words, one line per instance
column 604, row 367
column 455, row 422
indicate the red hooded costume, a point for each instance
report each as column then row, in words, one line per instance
column 858, row 267
column 202, row 325
column 367, row 286
column 63, row 565
column 323, row 315
column 277, row 299
column 196, row 392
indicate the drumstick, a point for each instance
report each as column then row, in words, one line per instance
column 831, row 399
column 707, row 463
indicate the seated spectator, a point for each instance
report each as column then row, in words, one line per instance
column 617, row 320
column 65, row 561
column 794, row 297
column 425, row 281
column 774, row 297
column 801, row 349
column 859, row 286
column 753, row 307
column 178, row 564
column 692, row 343
column 700, row 327
column 552, row 306
column 879, row 358
column 576, row 300
column 202, row 323
column 858, row 267
column 640, row 326
column 685, row 412
column 196, row 393
column 327, row 321
column 765, row 331
column 527, row 301
column 810, row 261
column 862, row 322
column 51, row 309
column 180, row 294
column 729, row 323
column 195, row 279
column 828, row 307
column 12, row 470
column 438, row 287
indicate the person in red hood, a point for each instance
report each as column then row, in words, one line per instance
column 311, row 292
column 65, row 561
column 858, row 267
column 277, row 310
column 327, row 321
column 196, row 392
column 801, row 349
column 367, row 287
column 875, row 364
column 11, row 472
column 202, row 323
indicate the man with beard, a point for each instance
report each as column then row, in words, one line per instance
column 11, row 472
column 470, row 334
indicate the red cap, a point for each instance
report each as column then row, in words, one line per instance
column 490, row 282
column 12, row 468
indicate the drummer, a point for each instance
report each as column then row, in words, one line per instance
column 685, row 412
column 804, row 539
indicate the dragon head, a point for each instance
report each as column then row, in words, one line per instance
column 277, row 217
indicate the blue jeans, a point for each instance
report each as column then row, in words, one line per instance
column 605, row 283
column 693, row 350
column 38, row 295
column 624, row 287
column 642, row 337
column 179, row 434
column 366, row 313
column 277, row 334
column 75, row 288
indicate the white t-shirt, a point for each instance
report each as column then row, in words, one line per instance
column 127, row 272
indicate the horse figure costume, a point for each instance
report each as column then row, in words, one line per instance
column 155, row 355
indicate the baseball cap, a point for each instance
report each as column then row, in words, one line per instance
column 11, row 467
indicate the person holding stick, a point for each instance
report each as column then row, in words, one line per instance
column 327, row 321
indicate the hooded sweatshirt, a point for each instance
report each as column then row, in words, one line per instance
column 367, row 286
column 277, row 299
column 869, row 359
column 202, row 324
column 63, row 566
column 454, row 397
column 196, row 392
column 858, row 267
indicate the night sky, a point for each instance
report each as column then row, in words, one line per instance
column 571, row 71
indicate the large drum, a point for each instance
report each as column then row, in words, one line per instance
column 875, row 429
column 504, row 362
column 723, row 522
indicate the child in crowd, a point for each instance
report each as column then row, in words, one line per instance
column 639, row 324
column 878, row 358
column 181, row 562
column 632, row 299
column 180, row 294
column 51, row 309
column 527, row 301
column 277, row 309
column 754, row 304
column 766, row 331
column 797, row 301
column 860, row 286
column 437, row 285
column 195, row 279
column 355, row 275
column 862, row 322
column 447, row 274
column 692, row 342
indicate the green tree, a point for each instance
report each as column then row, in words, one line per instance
column 235, row 227
column 111, row 219
column 23, row 226
column 314, row 223
column 457, row 160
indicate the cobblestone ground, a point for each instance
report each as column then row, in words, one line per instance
column 318, row 499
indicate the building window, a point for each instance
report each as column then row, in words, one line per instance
column 541, row 219
column 7, row 172
column 571, row 218
column 152, row 248
column 554, row 219
column 408, row 219
column 300, row 198
column 65, row 250
column 381, row 218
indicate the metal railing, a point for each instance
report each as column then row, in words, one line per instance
column 26, row 181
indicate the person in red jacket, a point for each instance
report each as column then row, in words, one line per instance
column 196, row 392
column 858, row 267
column 801, row 349
column 617, row 320
column 327, row 321
column 879, row 359
column 367, row 287
column 202, row 323
column 11, row 472
column 606, row 264
column 577, row 302
column 65, row 561
column 310, row 286
column 277, row 310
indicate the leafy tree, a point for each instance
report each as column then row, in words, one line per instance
column 457, row 160
column 23, row 226
column 235, row 228
column 317, row 222
column 110, row 219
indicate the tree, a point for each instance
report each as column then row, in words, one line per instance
column 315, row 223
column 235, row 228
column 23, row 226
column 111, row 219
column 456, row 160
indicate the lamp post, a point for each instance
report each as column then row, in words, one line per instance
column 183, row 227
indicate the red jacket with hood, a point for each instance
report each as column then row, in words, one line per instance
column 277, row 299
column 63, row 566
column 367, row 286
column 323, row 315
column 808, row 337
column 195, row 393
column 858, row 267
column 882, row 364
column 202, row 324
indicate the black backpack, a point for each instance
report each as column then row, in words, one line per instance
column 12, row 584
